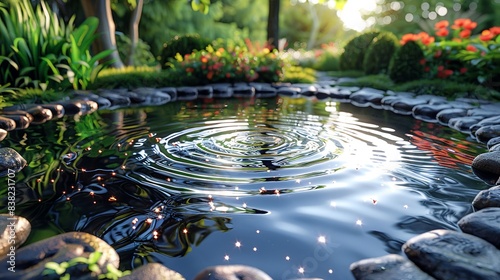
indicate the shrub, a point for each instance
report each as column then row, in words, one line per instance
column 407, row 63
column 380, row 81
column 297, row 74
column 354, row 51
column 183, row 45
column 379, row 53
column 142, row 54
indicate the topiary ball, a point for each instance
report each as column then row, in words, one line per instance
column 379, row 53
column 406, row 63
column 354, row 51
column 183, row 45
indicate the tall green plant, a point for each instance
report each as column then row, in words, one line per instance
column 39, row 50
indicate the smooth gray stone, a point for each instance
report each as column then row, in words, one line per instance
column 486, row 166
column 446, row 115
column 404, row 106
column 367, row 96
column 222, row 90
column 490, row 120
column 117, row 100
column 479, row 112
column 15, row 230
column 487, row 198
column 339, row 94
column 447, row 254
column 31, row 259
column 428, row 112
column 389, row 267
column 461, row 105
column 232, row 272
column 484, row 224
column 56, row 109
column 170, row 91
column 154, row 97
column 40, row 114
column 102, row 103
column 187, row 93
column 492, row 142
column 347, row 88
column 3, row 134
column 205, row 92
column 134, row 97
column 265, row 92
column 485, row 133
column 289, row 91
column 22, row 122
column 463, row 124
column 10, row 159
column 243, row 90
column 487, row 105
column 153, row 271
column 17, row 112
column 306, row 90
column 323, row 93
column 495, row 148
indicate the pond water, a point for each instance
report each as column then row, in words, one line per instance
column 294, row 187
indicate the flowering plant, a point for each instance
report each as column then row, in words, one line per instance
column 230, row 64
column 457, row 55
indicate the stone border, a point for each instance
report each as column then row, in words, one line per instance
column 478, row 118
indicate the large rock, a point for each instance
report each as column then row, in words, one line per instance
column 7, row 124
column 31, row 260
column 10, row 161
column 487, row 167
column 484, row 223
column 40, row 114
column 15, row 230
column 153, row 271
column 389, row 267
column 232, row 272
column 446, row 115
column 367, row 96
column 463, row 124
column 3, row 134
column 487, row 198
column 485, row 133
column 447, row 254
column 428, row 112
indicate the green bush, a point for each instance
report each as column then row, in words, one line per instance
column 327, row 61
column 183, row 45
column 406, row 64
column 379, row 53
column 142, row 54
column 449, row 89
column 354, row 51
column 380, row 81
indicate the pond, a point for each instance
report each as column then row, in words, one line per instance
column 295, row 187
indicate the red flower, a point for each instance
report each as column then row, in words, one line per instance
column 465, row 33
column 495, row 30
column 486, row 35
column 228, row 75
column 425, row 38
column 422, row 61
column 210, row 75
column 464, row 23
column 438, row 53
column 408, row 37
column 441, row 24
column 203, row 59
column 443, row 32
column 463, row 70
column 190, row 70
column 469, row 24
column 471, row 48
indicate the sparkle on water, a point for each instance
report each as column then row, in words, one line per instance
column 292, row 186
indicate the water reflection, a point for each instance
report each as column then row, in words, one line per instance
column 280, row 177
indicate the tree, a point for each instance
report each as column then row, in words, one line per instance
column 273, row 19
column 106, row 38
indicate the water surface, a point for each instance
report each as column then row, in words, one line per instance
column 294, row 187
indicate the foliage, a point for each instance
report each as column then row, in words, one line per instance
column 406, row 63
column 457, row 55
column 379, row 53
column 182, row 45
column 34, row 95
column 297, row 74
column 354, row 51
column 449, row 89
column 239, row 64
column 39, row 50
column 134, row 77
column 347, row 74
column 63, row 270
column 142, row 55
column 381, row 81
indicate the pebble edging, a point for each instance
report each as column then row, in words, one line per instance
column 473, row 253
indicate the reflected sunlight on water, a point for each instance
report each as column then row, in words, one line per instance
column 295, row 187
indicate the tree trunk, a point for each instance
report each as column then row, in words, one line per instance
column 273, row 23
column 106, row 37
column 314, row 28
column 134, row 31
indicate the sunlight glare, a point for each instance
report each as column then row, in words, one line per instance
column 351, row 14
